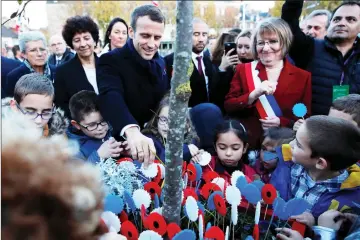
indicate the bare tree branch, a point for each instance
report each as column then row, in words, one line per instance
column 16, row 14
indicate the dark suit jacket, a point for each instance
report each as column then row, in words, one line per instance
column 66, row 57
column 70, row 79
column 14, row 76
column 129, row 93
column 7, row 65
column 294, row 86
column 218, row 86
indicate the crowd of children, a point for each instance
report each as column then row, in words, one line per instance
column 325, row 150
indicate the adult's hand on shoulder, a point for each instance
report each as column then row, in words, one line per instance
column 331, row 219
column 141, row 147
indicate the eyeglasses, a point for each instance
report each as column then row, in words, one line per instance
column 33, row 114
column 163, row 120
column 271, row 43
column 94, row 126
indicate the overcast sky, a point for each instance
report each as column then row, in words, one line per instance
column 36, row 10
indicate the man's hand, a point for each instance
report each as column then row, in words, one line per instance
column 141, row 147
column 298, row 124
column 229, row 60
column 305, row 218
column 288, row 234
column 110, row 148
column 270, row 122
column 331, row 219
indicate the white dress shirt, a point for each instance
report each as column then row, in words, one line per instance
column 194, row 56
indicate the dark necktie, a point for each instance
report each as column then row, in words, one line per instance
column 198, row 58
column 57, row 62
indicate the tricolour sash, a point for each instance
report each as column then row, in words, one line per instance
column 267, row 105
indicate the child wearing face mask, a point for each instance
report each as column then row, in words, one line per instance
column 273, row 137
column 157, row 129
column 231, row 145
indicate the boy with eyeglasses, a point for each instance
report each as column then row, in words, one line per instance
column 90, row 130
column 34, row 98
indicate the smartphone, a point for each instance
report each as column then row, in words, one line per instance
column 229, row 46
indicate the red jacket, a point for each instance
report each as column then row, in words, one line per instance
column 248, row 171
column 294, row 86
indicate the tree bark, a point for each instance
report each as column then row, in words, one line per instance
column 179, row 96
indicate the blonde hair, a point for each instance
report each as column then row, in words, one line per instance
column 246, row 33
column 273, row 25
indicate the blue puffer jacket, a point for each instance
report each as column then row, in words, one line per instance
column 88, row 145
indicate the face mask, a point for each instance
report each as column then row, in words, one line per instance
column 268, row 156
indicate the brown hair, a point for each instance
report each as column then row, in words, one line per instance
column 219, row 48
column 277, row 26
column 47, row 196
column 334, row 139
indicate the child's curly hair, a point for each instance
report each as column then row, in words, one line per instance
column 44, row 193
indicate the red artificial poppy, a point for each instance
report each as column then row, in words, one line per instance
column 143, row 216
column 124, row 159
column 209, row 176
column 208, row 189
column 191, row 171
column 268, row 193
column 152, row 188
column 215, row 232
column 157, row 178
column 172, row 230
column 189, row 192
column 157, row 223
column 129, row 230
column 220, row 205
column 123, row 216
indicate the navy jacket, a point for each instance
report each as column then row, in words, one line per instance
column 66, row 57
column 7, row 65
column 88, row 146
column 70, row 79
column 129, row 93
column 322, row 59
column 16, row 74
column 218, row 84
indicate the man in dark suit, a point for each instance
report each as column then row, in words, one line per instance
column 7, row 65
column 132, row 80
column 205, row 81
column 60, row 53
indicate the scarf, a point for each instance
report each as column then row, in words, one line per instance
column 47, row 71
column 156, row 65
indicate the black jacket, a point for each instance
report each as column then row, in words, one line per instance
column 322, row 59
column 66, row 57
column 70, row 79
column 218, row 83
column 14, row 76
column 7, row 65
column 129, row 93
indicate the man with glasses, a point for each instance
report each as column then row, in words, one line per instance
column 60, row 53
column 90, row 130
column 33, row 97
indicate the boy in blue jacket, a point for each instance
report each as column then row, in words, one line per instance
column 90, row 130
column 323, row 169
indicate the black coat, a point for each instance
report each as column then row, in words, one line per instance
column 7, row 65
column 66, row 57
column 14, row 76
column 129, row 93
column 70, row 79
column 218, row 83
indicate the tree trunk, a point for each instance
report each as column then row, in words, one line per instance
column 180, row 93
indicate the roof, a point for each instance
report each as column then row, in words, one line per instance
column 8, row 33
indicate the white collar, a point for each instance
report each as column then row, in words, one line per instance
column 194, row 55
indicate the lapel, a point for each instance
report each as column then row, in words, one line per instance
column 81, row 78
column 286, row 78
